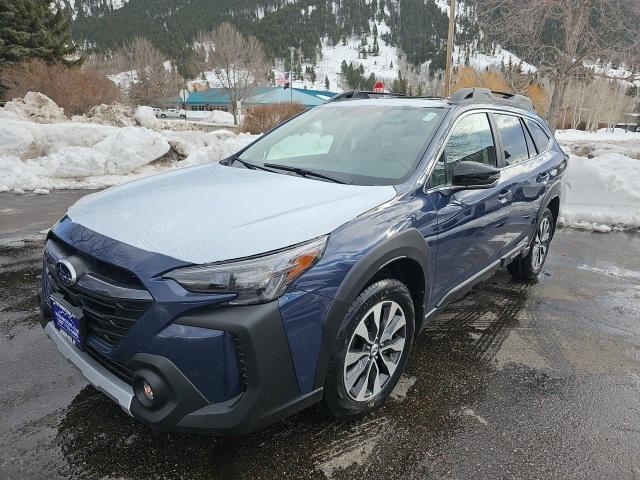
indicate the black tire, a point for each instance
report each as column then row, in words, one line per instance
column 388, row 293
column 163, row 116
column 183, row 116
column 529, row 267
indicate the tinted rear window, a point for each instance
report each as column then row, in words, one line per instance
column 513, row 141
column 539, row 136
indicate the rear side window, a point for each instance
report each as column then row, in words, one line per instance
column 513, row 141
column 539, row 135
column 471, row 140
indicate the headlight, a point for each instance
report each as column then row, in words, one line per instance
column 254, row 280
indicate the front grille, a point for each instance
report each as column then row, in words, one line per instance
column 117, row 369
column 112, row 299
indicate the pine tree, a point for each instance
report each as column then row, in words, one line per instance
column 32, row 29
column 326, row 83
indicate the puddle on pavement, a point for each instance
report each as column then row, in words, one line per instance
column 20, row 274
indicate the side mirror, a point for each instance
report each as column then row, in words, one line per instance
column 474, row 175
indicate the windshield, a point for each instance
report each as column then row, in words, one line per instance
column 356, row 144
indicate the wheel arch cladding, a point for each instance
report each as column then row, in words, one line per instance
column 405, row 249
column 554, row 206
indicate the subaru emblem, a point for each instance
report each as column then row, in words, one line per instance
column 66, row 273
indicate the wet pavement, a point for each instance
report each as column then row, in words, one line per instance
column 26, row 215
column 514, row 381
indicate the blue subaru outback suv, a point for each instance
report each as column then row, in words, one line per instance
column 224, row 297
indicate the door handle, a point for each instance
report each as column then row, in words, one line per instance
column 504, row 196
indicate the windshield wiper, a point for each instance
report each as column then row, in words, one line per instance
column 249, row 165
column 303, row 172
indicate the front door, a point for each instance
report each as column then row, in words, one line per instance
column 472, row 224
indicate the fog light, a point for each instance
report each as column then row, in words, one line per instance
column 147, row 391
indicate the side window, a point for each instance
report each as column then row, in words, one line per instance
column 539, row 135
column 513, row 141
column 471, row 140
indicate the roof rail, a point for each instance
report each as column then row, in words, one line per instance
column 358, row 95
column 484, row 95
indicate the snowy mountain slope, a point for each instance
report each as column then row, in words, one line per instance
column 313, row 18
column 384, row 65
column 88, row 8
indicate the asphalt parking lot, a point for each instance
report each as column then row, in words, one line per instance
column 515, row 380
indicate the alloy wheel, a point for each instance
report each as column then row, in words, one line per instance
column 375, row 350
column 541, row 244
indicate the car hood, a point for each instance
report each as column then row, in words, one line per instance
column 214, row 212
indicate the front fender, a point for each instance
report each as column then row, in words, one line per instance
column 408, row 244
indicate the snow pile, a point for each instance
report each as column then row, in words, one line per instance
column 46, row 156
column 34, row 106
column 117, row 115
column 146, row 117
column 39, row 156
column 602, row 181
column 221, row 147
column 218, row 116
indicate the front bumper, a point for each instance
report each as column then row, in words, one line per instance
column 98, row 376
column 271, row 389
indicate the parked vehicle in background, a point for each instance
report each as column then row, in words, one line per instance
column 173, row 113
column 227, row 296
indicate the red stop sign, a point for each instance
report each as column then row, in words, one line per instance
column 378, row 87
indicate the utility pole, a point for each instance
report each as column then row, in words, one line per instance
column 291, row 49
column 452, row 26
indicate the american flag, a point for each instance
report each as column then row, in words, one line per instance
column 282, row 79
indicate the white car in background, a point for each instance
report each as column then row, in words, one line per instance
column 173, row 113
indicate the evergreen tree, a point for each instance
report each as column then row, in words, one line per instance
column 32, row 29
column 326, row 83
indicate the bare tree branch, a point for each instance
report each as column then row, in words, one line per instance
column 239, row 63
column 560, row 36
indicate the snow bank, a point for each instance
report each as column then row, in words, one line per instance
column 602, row 135
column 145, row 117
column 217, row 116
column 38, row 156
column 34, row 106
column 602, row 181
column 43, row 156
column 117, row 115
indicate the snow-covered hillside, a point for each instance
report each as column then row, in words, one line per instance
column 90, row 7
column 384, row 65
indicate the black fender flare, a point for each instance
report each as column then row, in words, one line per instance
column 553, row 192
column 409, row 244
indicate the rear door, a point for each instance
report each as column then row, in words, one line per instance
column 471, row 224
column 525, row 170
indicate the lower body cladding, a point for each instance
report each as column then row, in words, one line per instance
column 160, row 395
